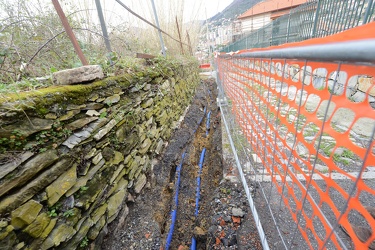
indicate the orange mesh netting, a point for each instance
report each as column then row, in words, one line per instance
column 311, row 123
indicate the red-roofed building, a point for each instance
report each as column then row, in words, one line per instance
column 264, row 12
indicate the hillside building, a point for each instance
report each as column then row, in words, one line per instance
column 262, row 14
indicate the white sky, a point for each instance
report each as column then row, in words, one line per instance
column 191, row 10
column 114, row 13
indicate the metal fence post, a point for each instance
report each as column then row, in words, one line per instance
column 368, row 11
column 288, row 29
column 104, row 29
column 317, row 12
column 157, row 24
column 69, row 31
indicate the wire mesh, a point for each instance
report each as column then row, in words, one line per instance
column 315, row 18
column 310, row 128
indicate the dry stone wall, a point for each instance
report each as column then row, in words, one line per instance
column 72, row 155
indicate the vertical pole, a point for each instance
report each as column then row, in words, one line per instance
column 368, row 11
column 179, row 37
column 157, row 24
column 69, row 31
column 104, row 29
column 317, row 12
column 288, row 29
column 272, row 28
column 189, row 42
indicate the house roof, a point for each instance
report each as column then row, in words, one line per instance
column 271, row 6
column 280, row 13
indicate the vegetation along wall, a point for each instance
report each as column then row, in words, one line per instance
column 71, row 154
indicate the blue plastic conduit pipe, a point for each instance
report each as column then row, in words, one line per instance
column 200, row 121
column 208, row 123
column 193, row 240
column 174, row 211
column 193, row 244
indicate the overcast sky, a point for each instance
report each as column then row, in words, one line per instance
column 190, row 9
column 115, row 13
column 193, row 9
column 211, row 7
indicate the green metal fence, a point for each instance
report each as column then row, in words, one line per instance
column 315, row 18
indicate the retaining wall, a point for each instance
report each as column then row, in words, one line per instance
column 71, row 156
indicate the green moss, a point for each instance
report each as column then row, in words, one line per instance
column 75, row 94
column 42, row 111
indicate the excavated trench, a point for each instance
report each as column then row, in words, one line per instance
column 145, row 222
column 190, row 223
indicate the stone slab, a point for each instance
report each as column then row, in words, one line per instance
column 78, row 75
column 29, row 170
column 9, row 167
column 59, row 187
column 141, row 182
column 25, row 214
column 26, row 127
column 36, row 185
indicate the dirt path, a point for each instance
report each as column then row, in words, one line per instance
column 216, row 227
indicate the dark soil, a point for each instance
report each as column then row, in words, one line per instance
column 148, row 222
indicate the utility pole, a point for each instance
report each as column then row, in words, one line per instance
column 69, row 31
column 104, row 29
column 157, row 24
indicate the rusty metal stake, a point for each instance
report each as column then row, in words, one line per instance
column 69, row 31
column 179, row 37
column 189, row 42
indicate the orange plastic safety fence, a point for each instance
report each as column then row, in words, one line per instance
column 311, row 124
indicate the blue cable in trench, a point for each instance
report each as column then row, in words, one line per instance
column 174, row 211
column 193, row 240
column 178, row 172
column 208, row 123
column 200, row 121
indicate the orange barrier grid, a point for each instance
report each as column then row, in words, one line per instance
column 311, row 123
column 205, row 66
